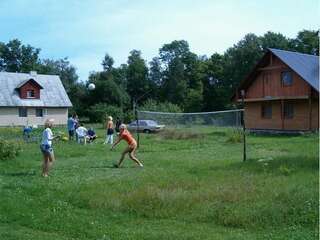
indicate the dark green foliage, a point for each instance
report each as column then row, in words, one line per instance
column 137, row 75
column 100, row 111
column 9, row 149
column 152, row 105
column 107, row 63
column 63, row 69
column 306, row 42
column 16, row 57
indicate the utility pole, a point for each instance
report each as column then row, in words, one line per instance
column 244, row 127
column 135, row 112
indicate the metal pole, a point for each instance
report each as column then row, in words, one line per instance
column 244, row 128
column 135, row 109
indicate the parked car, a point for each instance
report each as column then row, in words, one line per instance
column 146, row 126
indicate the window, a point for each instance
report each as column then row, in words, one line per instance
column 288, row 110
column 39, row 112
column 266, row 111
column 30, row 94
column 142, row 123
column 23, row 112
column 286, row 78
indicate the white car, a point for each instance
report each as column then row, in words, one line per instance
column 146, row 126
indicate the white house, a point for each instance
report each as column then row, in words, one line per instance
column 30, row 99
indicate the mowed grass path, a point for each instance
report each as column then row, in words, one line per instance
column 193, row 186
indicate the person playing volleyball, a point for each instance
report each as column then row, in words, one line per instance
column 131, row 148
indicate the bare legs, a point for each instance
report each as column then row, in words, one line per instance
column 131, row 150
column 48, row 160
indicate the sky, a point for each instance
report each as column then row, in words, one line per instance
column 85, row 30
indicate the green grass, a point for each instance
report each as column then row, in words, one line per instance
column 194, row 186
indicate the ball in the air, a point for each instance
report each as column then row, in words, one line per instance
column 91, row 86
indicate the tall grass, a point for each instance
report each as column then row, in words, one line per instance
column 194, row 186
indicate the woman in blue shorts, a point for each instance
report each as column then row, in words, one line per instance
column 46, row 147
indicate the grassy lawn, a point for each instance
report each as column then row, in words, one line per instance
column 193, row 186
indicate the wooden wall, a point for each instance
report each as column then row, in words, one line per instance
column 268, row 82
column 300, row 120
column 27, row 87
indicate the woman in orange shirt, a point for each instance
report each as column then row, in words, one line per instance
column 132, row 145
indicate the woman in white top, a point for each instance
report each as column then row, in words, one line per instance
column 46, row 147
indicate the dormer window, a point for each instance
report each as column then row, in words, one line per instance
column 29, row 89
column 30, row 94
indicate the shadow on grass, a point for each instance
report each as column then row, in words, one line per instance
column 19, row 174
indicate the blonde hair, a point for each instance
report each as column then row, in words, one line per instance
column 48, row 123
column 110, row 118
column 123, row 126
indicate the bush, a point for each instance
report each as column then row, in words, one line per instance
column 99, row 112
column 235, row 136
column 9, row 149
column 152, row 105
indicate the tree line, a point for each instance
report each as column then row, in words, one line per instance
column 175, row 80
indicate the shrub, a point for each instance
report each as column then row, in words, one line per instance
column 152, row 105
column 9, row 149
column 235, row 136
column 99, row 112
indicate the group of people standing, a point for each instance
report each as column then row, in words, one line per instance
column 74, row 128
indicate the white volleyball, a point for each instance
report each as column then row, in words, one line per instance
column 91, row 86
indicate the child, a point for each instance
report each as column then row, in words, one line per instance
column 132, row 145
column 91, row 135
column 82, row 134
column 46, row 147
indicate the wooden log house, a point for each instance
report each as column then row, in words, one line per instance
column 282, row 93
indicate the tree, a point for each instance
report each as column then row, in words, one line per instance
column 15, row 57
column 240, row 59
column 137, row 75
column 182, row 80
column 175, row 87
column 120, row 76
column 274, row 40
column 106, row 91
column 107, row 62
column 215, row 89
column 61, row 67
column 155, row 71
column 306, row 42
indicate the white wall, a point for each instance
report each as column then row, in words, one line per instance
column 10, row 116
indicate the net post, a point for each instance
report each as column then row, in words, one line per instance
column 244, row 128
column 135, row 111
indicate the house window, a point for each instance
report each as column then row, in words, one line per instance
column 286, row 78
column 266, row 111
column 23, row 112
column 30, row 94
column 39, row 112
column 288, row 110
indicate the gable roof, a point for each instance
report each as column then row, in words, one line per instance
column 305, row 65
column 28, row 80
column 53, row 93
